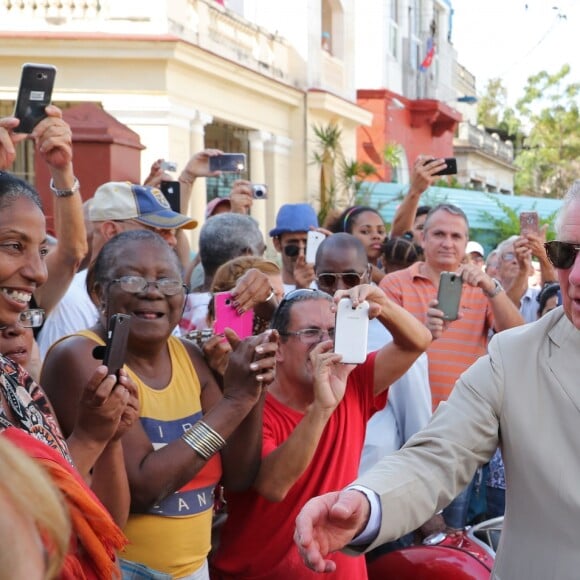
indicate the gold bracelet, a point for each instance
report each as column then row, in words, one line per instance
column 204, row 440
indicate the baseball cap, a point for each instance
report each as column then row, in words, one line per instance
column 294, row 217
column 122, row 200
column 474, row 247
column 213, row 205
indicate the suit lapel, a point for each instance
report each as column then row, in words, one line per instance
column 564, row 358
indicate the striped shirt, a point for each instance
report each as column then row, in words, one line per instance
column 464, row 341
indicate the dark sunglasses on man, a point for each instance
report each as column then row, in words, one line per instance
column 330, row 279
column 562, row 254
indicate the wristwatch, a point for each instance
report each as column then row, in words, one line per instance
column 496, row 290
column 65, row 192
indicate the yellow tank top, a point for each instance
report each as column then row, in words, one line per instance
column 175, row 536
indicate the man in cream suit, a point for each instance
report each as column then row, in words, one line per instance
column 524, row 395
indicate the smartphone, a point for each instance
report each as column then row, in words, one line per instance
column 313, row 241
column 116, row 345
column 228, row 162
column 172, row 192
column 351, row 331
column 451, row 168
column 259, row 191
column 449, row 294
column 169, row 166
column 226, row 316
column 529, row 222
column 34, row 94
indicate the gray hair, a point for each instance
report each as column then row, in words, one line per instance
column 572, row 195
column 506, row 243
column 281, row 318
column 449, row 208
column 227, row 236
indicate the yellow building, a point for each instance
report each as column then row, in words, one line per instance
column 191, row 74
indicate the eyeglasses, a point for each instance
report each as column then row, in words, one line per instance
column 31, row 318
column 138, row 284
column 311, row 336
column 330, row 279
column 508, row 256
column 292, row 296
column 562, row 254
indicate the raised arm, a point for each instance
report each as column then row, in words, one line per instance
column 53, row 140
column 422, row 177
column 505, row 312
column 283, row 466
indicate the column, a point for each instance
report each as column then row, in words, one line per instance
column 282, row 182
column 198, row 200
column 258, row 175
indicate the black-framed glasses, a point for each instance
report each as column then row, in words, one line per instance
column 330, row 279
column 311, row 336
column 31, row 318
column 138, row 284
column 562, row 254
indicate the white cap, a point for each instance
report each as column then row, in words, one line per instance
column 474, row 247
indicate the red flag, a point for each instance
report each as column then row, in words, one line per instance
column 429, row 56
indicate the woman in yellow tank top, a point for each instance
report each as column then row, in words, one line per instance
column 176, row 454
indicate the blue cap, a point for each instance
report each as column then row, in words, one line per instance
column 294, row 217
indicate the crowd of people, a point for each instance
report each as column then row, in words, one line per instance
column 194, row 460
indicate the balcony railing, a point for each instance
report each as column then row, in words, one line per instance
column 469, row 134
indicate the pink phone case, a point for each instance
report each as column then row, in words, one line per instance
column 227, row 317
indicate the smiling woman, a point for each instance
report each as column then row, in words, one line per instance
column 175, row 454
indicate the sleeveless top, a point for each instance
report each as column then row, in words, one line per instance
column 174, row 536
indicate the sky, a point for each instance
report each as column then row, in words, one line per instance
column 514, row 39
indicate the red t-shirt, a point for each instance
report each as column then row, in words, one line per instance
column 257, row 539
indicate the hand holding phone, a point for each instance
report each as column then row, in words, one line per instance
column 226, row 316
column 34, row 94
column 449, row 295
column 116, row 344
column 351, row 331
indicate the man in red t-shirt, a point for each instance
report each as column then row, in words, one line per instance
column 314, row 425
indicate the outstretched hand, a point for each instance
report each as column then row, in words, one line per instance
column 327, row 524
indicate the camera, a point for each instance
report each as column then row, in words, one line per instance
column 259, row 191
column 169, row 166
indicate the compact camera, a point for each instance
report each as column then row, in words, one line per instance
column 259, row 191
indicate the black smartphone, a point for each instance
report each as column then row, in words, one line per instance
column 451, row 168
column 449, row 294
column 116, row 345
column 34, row 94
column 172, row 192
column 228, row 162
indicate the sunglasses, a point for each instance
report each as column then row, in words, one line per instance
column 291, row 250
column 562, row 254
column 330, row 279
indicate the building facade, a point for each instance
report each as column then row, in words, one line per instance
column 252, row 77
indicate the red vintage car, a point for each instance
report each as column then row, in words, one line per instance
column 459, row 555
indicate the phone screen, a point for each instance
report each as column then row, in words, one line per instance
column 228, row 162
